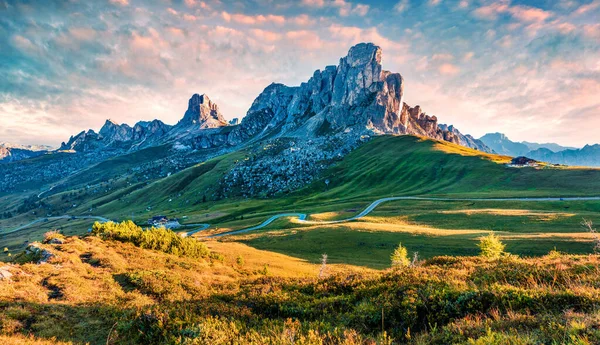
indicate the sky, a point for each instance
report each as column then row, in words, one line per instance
column 529, row 68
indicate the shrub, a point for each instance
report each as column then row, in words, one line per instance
column 160, row 239
column 491, row 247
column 400, row 257
column 240, row 260
column 53, row 237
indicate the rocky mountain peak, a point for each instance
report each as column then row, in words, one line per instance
column 111, row 131
column 202, row 112
column 363, row 54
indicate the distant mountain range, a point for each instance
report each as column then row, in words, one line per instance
column 547, row 152
column 15, row 152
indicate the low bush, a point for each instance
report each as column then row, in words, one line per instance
column 160, row 239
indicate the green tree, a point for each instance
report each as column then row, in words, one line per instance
column 491, row 247
column 400, row 257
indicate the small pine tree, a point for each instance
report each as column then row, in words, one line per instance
column 491, row 247
column 400, row 257
column 240, row 260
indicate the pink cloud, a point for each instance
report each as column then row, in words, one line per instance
column 303, row 20
column 401, row 6
column 305, row 39
column 529, row 14
column 361, row 10
column 442, row 57
column 587, row 7
column 253, row 20
column 592, row 30
column 313, row 3
column 150, row 43
column 448, row 69
column 120, row 2
column 24, row 44
column 189, row 17
column 82, row 34
column 265, row 35
column 492, row 10
column 521, row 13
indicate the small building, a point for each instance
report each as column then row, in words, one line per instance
column 164, row 222
column 521, row 161
column 158, row 220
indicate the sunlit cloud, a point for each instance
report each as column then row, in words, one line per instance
column 502, row 66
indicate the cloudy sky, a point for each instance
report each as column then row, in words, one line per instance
column 528, row 68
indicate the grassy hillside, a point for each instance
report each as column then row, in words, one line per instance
column 407, row 165
column 385, row 166
column 103, row 292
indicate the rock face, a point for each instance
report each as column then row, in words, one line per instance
column 5, row 273
column 118, row 137
column 203, row 113
column 357, row 95
column 464, row 140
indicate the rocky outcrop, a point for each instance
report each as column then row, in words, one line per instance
column 464, row 140
column 5, row 272
column 83, row 142
column 202, row 113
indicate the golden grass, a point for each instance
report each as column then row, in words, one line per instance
column 87, row 270
column 23, row 340
column 573, row 236
column 545, row 216
column 324, row 216
column 465, row 151
column 367, row 226
column 279, row 265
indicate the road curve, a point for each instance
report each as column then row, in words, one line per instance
column 190, row 233
column 102, row 219
column 302, row 216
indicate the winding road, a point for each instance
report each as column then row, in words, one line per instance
column 302, row 216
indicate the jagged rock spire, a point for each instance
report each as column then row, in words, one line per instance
column 203, row 113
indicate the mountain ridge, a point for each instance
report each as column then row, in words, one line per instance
column 356, row 95
column 554, row 153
